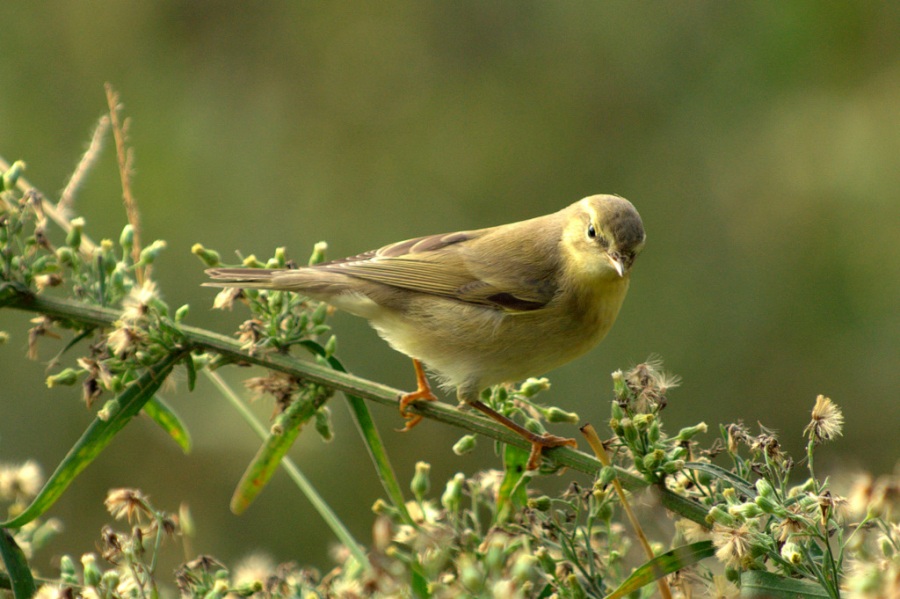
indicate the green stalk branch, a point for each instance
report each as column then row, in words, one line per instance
column 84, row 315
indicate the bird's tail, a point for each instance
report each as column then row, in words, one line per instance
column 248, row 278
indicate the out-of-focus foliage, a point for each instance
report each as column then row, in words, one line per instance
column 759, row 141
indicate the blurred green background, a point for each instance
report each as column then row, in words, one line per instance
column 760, row 142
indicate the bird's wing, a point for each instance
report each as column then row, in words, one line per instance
column 455, row 265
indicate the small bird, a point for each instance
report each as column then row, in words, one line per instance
column 483, row 307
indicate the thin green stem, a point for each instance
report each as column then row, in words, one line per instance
column 14, row 296
column 325, row 511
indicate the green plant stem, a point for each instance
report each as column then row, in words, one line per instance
column 85, row 315
column 306, row 487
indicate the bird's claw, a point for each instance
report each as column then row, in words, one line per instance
column 547, row 440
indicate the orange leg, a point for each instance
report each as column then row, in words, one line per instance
column 538, row 442
column 422, row 393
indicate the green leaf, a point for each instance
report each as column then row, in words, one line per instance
column 761, row 584
column 21, row 582
column 97, row 436
column 663, row 564
column 260, row 470
column 162, row 414
column 513, row 492
column 731, row 478
column 191, row 372
column 366, row 426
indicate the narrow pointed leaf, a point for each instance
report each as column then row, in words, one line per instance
column 366, row 426
column 191, row 372
column 731, row 478
column 760, row 584
column 260, row 471
column 21, row 581
column 97, row 436
column 661, row 565
column 162, row 414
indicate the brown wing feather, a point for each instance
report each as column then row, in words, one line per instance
column 455, row 265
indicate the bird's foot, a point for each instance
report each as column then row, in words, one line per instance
column 539, row 442
column 422, row 393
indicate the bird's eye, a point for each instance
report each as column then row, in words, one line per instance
column 592, row 232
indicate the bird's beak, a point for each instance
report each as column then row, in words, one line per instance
column 617, row 263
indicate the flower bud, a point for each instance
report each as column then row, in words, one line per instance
column 421, row 482
column 630, row 431
column 620, row 387
column 673, row 466
column 323, row 423
column 331, row 346
column 452, row 495
column 126, row 239
column 318, row 254
column 252, row 261
column 73, row 237
column 766, row 504
column 747, row 511
column 533, row 386
column 319, row 314
column 525, row 567
column 689, row 432
column 66, row 256
column 110, row 579
column 92, row 573
column 554, row 414
column 465, row 444
column 617, row 412
column 540, row 504
column 11, row 176
column 280, row 257
column 69, row 376
column 607, row 475
column 720, row 516
column 654, row 459
column 210, row 258
column 108, row 411
column 764, row 488
column 791, row 552
column 151, row 252
column 67, row 572
column 653, row 433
